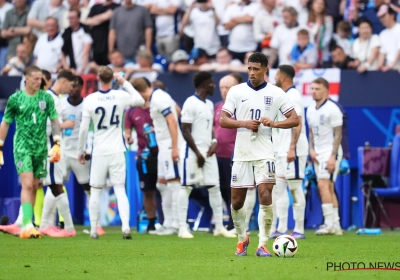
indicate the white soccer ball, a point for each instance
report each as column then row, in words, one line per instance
column 285, row 246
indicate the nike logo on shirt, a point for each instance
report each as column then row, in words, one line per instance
column 243, row 100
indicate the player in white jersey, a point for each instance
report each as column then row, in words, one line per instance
column 291, row 160
column 325, row 121
column 199, row 166
column 169, row 139
column 106, row 108
column 57, row 198
column 254, row 103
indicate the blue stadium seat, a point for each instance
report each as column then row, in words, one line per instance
column 160, row 59
column 393, row 190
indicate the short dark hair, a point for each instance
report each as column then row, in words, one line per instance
column 333, row 46
column 303, row 32
column 78, row 13
column 258, row 57
column 66, row 74
column 79, row 80
column 46, row 74
column 159, row 84
column 200, row 77
column 287, row 70
column 345, row 26
column 30, row 69
column 238, row 77
column 140, row 84
column 364, row 20
column 322, row 81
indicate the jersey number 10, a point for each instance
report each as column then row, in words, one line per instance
column 114, row 118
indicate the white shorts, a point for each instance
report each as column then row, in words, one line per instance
column 166, row 168
column 81, row 171
column 208, row 175
column 113, row 166
column 320, row 168
column 292, row 170
column 55, row 171
column 246, row 174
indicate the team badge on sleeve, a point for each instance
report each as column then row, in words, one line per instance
column 268, row 100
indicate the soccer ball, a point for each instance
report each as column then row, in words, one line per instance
column 285, row 246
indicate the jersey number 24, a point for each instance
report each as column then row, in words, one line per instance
column 114, row 118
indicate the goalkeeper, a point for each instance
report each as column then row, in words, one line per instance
column 30, row 108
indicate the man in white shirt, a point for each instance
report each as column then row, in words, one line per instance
column 106, row 108
column 47, row 51
column 199, row 164
column 291, row 160
column 325, row 121
column 169, row 139
column 254, row 103
column 238, row 19
column 167, row 36
column 41, row 10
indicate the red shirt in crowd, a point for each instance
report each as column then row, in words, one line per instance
column 226, row 137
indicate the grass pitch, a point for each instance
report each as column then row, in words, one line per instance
column 204, row 257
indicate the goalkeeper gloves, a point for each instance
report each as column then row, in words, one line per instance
column 55, row 152
column 344, row 167
column 1, row 153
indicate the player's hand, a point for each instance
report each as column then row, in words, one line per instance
column 313, row 156
column 55, row 153
column 1, row 156
column 212, row 149
column 331, row 164
column 267, row 122
column 69, row 124
column 82, row 158
column 252, row 124
column 200, row 160
column 129, row 139
column 118, row 77
column 291, row 156
column 175, row 155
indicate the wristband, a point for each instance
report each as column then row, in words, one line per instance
column 214, row 141
column 56, row 140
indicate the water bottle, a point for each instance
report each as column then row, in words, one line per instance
column 150, row 135
column 145, row 154
column 351, row 228
column 253, row 136
column 122, row 74
column 368, row 231
column 68, row 131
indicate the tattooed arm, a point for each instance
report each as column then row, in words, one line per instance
column 293, row 143
column 337, row 131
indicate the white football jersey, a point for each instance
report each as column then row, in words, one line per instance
column 201, row 115
column 70, row 142
column 106, row 110
column 285, row 135
column 322, row 121
column 247, row 103
column 57, row 106
column 161, row 105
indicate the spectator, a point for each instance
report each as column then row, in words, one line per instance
column 30, row 42
column 202, row 16
column 220, row 7
column 145, row 67
column 366, row 47
column 340, row 59
column 222, row 63
column 187, row 31
column 14, row 26
column 47, row 81
column 197, row 58
column 301, row 7
column 321, row 27
column 75, row 5
column 284, row 37
column 343, row 36
column 47, row 50
column 179, row 61
column 4, row 8
column 16, row 65
column 42, row 9
column 389, row 39
column 239, row 19
column 77, row 45
column 167, row 37
column 335, row 9
column 264, row 24
column 371, row 15
column 130, row 28
column 99, row 21
column 304, row 54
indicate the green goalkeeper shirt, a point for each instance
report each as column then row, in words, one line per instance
column 30, row 114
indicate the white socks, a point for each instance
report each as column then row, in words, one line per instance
column 215, row 199
column 18, row 221
column 94, row 209
column 62, row 204
column 282, row 204
column 174, row 187
column 327, row 211
column 123, row 207
column 239, row 221
column 336, row 218
column 166, row 200
column 265, row 221
column 49, row 210
column 183, row 205
column 299, row 204
column 249, row 204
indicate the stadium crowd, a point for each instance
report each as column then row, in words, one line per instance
column 146, row 37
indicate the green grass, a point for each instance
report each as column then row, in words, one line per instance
column 204, row 257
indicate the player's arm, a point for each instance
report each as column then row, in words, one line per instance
column 293, row 142
column 173, row 131
column 128, row 124
column 313, row 155
column 292, row 120
column 337, row 132
column 225, row 121
column 186, row 129
column 83, row 132
column 55, row 153
column 136, row 98
column 3, row 134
